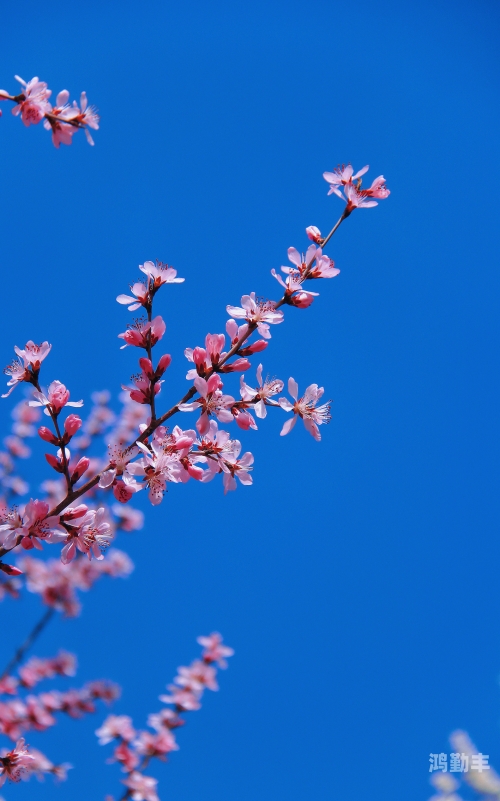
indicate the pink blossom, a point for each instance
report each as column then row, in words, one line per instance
column 142, row 391
column 156, row 467
column 129, row 519
column 356, row 199
column 265, row 391
column 143, row 333
column 231, row 466
column 198, row 676
column 211, row 402
column 143, row 788
column 116, row 726
column 86, row 116
column 34, row 104
column 141, row 297
column 214, row 650
column 260, row 313
column 166, row 718
column 305, row 407
column 93, row 536
column 62, row 132
column 34, row 354
column 156, row 745
column 341, row 177
column 183, row 700
column 378, row 189
column 35, row 670
column 16, row 763
column 18, row 372
column 32, row 527
column 160, row 273
column 57, row 397
column 126, row 757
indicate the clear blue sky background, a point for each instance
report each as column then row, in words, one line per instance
column 358, row 579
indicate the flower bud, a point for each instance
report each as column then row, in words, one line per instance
column 10, row 570
column 255, row 347
column 163, row 364
column 72, row 424
column 55, row 462
column 147, row 367
column 81, row 467
column 314, row 234
column 301, row 300
column 239, row 365
column 47, row 435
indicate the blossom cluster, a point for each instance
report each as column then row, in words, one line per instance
column 21, row 713
column 134, row 749
column 32, row 105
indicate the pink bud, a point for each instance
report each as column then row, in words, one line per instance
column 244, row 421
column 54, row 462
column 81, row 467
column 301, row 300
column 238, row 365
column 10, row 570
column 255, row 347
column 199, row 355
column 122, row 492
column 314, row 234
column 72, row 424
column 163, row 364
column 146, row 365
column 47, row 435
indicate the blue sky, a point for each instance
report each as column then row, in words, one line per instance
column 357, row 579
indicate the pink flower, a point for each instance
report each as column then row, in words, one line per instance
column 114, row 727
column 86, row 116
column 263, row 393
column 62, row 133
column 142, row 333
column 324, row 267
column 142, row 391
column 305, row 407
column 26, row 368
column 16, row 763
column 378, row 189
column 126, row 757
column 183, row 700
column 156, row 745
column 34, row 104
column 198, row 676
column 141, row 293
column 214, row 650
column 341, row 176
column 143, row 788
column 72, row 424
column 57, row 397
column 93, row 536
column 18, row 372
column 160, row 273
column 34, row 354
column 166, row 719
column 356, row 199
column 211, row 402
column 156, row 467
column 237, row 468
column 260, row 313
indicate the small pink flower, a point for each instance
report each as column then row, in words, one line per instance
column 211, row 402
column 198, row 676
column 305, row 407
column 260, row 313
column 356, row 199
column 35, row 104
column 143, row 788
column 142, row 333
column 160, row 273
column 156, row 745
column 114, row 727
column 142, row 391
column 214, row 650
column 341, row 177
column 141, row 297
column 34, row 354
column 265, row 391
column 378, row 189
column 56, row 399
column 15, row 764
column 183, row 700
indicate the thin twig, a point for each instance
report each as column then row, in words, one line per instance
column 30, row 639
